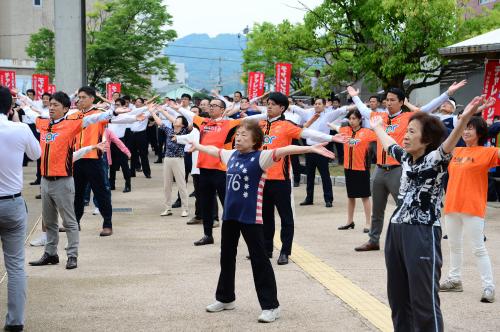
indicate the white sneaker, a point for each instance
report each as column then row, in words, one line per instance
column 184, row 213
column 96, row 212
column 269, row 316
column 40, row 241
column 219, row 306
column 167, row 212
column 488, row 295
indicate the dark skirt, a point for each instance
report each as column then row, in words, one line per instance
column 357, row 183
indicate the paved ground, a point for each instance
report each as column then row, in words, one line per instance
column 148, row 275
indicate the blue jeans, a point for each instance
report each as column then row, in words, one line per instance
column 13, row 223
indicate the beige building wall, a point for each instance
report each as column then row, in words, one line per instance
column 18, row 20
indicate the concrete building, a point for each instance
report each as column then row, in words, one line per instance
column 19, row 19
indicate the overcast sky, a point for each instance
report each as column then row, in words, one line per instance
column 231, row 16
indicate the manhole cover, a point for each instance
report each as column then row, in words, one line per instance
column 122, row 210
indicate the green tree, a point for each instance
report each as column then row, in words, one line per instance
column 383, row 42
column 41, row 49
column 124, row 43
column 268, row 44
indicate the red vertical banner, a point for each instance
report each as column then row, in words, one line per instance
column 8, row 78
column 255, row 84
column 39, row 83
column 283, row 77
column 492, row 87
column 251, row 78
column 51, row 89
column 112, row 88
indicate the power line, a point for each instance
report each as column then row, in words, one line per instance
column 196, row 57
column 208, row 48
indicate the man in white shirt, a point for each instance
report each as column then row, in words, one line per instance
column 318, row 118
column 13, row 214
column 139, row 142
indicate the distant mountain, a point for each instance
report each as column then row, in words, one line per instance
column 201, row 54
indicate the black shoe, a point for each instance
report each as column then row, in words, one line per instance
column 112, row 187
column 46, row 260
column 445, row 237
column 177, row 204
column 13, row 328
column 138, row 169
column 192, row 194
column 342, row 228
column 62, row 230
column 148, row 176
column 85, row 203
column 39, row 196
column 158, row 161
column 296, row 184
column 204, row 240
column 127, row 189
column 71, row 263
column 328, row 204
column 306, row 202
column 35, row 183
column 283, row 259
column 132, row 175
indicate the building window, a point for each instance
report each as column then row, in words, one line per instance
column 37, row 3
column 484, row 2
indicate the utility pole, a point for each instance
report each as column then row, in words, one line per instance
column 69, row 28
column 219, row 84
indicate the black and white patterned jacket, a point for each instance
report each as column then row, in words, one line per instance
column 421, row 190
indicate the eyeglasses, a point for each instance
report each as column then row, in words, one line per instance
column 215, row 105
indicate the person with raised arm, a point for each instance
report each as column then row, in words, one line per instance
column 219, row 132
column 57, row 136
column 356, row 166
column 17, row 139
column 387, row 175
column 280, row 132
column 317, row 118
column 465, row 204
column 173, row 162
column 246, row 167
column 413, row 245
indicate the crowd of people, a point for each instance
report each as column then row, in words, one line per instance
column 247, row 153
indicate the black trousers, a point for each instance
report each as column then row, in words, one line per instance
column 139, row 144
column 278, row 193
column 297, row 167
column 197, row 208
column 314, row 161
column 188, row 164
column 161, row 141
column 212, row 182
column 413, row 260
column 119, row 160
column 39, row 160
column 91, row 171
column 263, row 274
column 152, row 137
